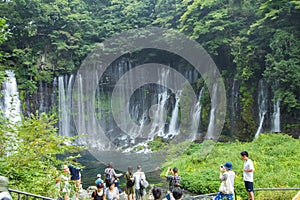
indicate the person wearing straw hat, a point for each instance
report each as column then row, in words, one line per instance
column 4, row 194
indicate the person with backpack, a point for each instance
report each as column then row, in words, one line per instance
column 99, row 193
column 129, row 189
column 75, row 176
column 111, row 175
column 173, row 179
column 139, row 176
column 226, row 190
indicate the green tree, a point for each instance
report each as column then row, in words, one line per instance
column 4, row 34
column 168, row 12
column 28, row 154
column 277, row 31
column 283, row 68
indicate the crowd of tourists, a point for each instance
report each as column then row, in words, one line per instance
column 108, row 188
column 136, row 184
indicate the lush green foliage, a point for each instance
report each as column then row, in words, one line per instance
column 275, row 161
column 157, row 144
column 248, row 40
column 28, row 154
column 4, row 33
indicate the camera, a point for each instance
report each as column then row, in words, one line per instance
column 221, row 166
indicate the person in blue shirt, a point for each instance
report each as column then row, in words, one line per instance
column 75, row 177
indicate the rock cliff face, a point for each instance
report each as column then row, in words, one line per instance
column 267, row 114
column 244, row 117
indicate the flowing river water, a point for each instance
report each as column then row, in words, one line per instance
column 92, row 167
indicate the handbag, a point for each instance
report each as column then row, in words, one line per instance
column 143, row 183
column 130, row 183
column 226, row 186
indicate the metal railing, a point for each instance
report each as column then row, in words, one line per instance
column 265, row 189
column 27, row 195
column 204, row 195
column 256, row 189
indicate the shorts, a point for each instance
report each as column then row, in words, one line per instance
column 249, row 186
column 222, row 196
column 77, row 184
column 129, row 190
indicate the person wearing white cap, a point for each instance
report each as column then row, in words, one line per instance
column 226, row 189
column 4, row 194
column 98, row 180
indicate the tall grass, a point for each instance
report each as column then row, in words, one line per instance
column 275, row 157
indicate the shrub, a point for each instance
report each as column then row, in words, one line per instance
column 275, row 158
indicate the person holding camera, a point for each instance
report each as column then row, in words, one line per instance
column 227, row 176
column 173, row 180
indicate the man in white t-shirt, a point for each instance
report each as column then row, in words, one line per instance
column 138, row 175
column 248, row 174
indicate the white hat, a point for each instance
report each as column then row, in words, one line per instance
column 98, row 175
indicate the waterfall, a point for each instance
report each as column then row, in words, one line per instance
column 12, row 104
column 158, row 110
column 262, row 105
column 65, row 84
column 197, row 115
column 234, row 98
column 158, row 124
column 80, row 105
column 276, row 117
column 212, row 118
column 173, row 129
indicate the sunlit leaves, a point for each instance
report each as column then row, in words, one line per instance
column 271, row 153
column 33, row 165
column 283, row 68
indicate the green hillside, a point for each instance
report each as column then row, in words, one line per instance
column 275, row 157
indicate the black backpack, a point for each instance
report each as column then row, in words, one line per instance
column 129, row 182
column 174, row 182
column 108, row 178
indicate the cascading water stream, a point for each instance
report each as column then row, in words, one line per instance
column 276, row 117
column 173, row 129
column 65, row 85
column 197, row 115
column 12, row 104
column 212, row 118
column 262, row 105
column 158, row 124
column 11, row 108
column 159, row 116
